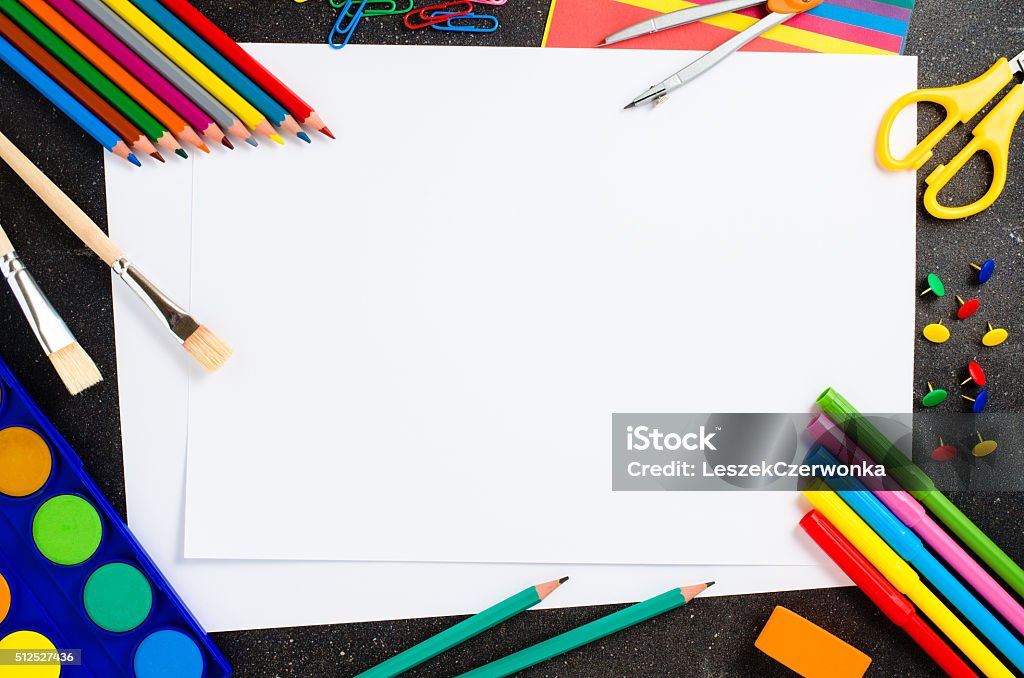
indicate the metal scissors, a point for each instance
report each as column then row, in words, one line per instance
column 778, row 12
column 992, row 135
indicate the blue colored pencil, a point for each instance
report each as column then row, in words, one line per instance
column 213, row 60
column 60, row 98
column 910, row 547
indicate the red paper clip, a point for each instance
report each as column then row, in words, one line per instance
column 446, row 11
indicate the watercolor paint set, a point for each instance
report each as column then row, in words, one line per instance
column 74, row 583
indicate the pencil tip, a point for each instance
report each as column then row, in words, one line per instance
column 563, row 580
column 326, row 132
column 709, row 584
column 227, row 142
column 133, row 160
column 181, row 152
column 304, row 137
column 276, row 138
column 156, row 155
column 252, row 141
column 601, row 44
column 631, row 104
column 204, row 148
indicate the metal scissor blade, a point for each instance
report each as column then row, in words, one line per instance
column 678, row 18
column 709, row 60
column 1017, row 63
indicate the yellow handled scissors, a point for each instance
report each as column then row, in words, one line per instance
column 992, row 135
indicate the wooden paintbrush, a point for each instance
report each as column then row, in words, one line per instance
column 74, row 366
column 202, row 344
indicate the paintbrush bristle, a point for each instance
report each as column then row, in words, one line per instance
column 75, row 368
column 207, row 348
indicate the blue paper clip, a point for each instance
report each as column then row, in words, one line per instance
column 491, row 23
column 346, row 31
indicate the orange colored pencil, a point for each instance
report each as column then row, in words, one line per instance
column 113, row 70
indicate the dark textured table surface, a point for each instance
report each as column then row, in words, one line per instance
column 954, row 40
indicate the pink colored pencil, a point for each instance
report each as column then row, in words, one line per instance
column 913, row 515
column 121, row 53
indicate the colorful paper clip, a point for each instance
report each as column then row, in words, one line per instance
column 490, row 23
column 343, row 29
column 490, row 2
column 437, row 14
column 379, row 7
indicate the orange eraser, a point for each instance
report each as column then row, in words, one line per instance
column 809, row 649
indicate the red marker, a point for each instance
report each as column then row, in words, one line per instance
column 890, row 601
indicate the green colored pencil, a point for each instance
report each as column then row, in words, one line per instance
column 917, row 482
column 76, row 63
column 463, row 631
column 588, row 633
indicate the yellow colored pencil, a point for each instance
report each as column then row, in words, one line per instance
column 905, row 579
column 206, row 78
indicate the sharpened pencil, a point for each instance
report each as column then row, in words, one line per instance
column 588, row 633
column 463, row 631
column 60, row 98
column 146, row 74
column 224, row 118
column 117, row 73
column 195, row 68
column 74, row 85
column 302, row 112
column 78, row 65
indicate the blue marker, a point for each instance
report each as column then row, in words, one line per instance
column 910, row 548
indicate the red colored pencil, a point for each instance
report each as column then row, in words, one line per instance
column 96, row 104
column 244, row 62
column 890, row 601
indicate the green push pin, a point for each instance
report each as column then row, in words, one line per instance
column 935, row 286
column 934, row 396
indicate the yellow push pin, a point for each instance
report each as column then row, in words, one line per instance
column 994, row 336
column 936, row 333
column 984, row 447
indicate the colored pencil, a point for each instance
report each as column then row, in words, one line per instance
column 140, row 69
column 917, row 482
column 77, row 64
column 223, row 43
column 74, row 85
column 195, row 68
column 60, row 98
column 913, row 515
column 155, row 58
column 588, row 633
column 909, row 547
column 905, row 579
column 891, row 602
column 463, row 631
column 210, row 57
column 202, row 344
column 175, row 124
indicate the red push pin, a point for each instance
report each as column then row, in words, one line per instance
column 975, row 374
column 967, row 308
column 943, row 452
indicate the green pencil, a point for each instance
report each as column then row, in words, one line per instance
column 75, row 62
column 463, row 631
column 588, row 633
column 917, row 482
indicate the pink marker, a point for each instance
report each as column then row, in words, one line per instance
column 913, row 515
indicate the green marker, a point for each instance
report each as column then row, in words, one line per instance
column 588, row 633
column 463, row 631
column 915, row 481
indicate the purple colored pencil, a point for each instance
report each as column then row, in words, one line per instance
column 876, row 8
column 121, row 53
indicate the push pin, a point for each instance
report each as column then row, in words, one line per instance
column 975, row 374
column 935, row 286
column 943, row 452
column 936, row 333
column 967, row 308
column 977, row 403
column 985, row 271
column 934, row 396
column 994, row 336
column 984, row 447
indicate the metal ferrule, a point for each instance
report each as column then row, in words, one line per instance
column 46, row 323
column 177, row 320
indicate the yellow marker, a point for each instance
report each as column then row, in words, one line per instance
column 936, row 333
column 904, row 578
column 206, row 78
